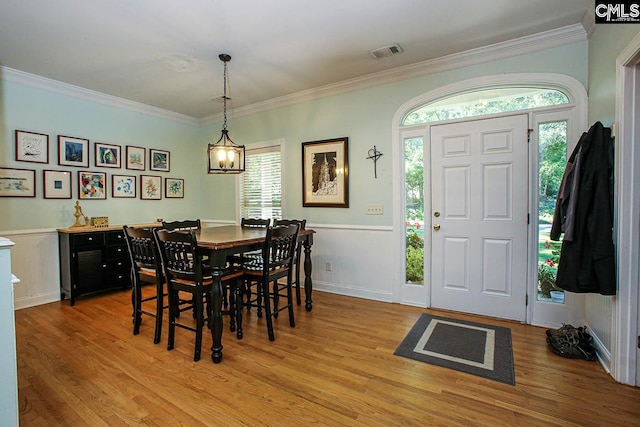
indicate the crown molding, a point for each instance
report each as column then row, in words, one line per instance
column 589, row 22
column 54, row 86
column 536, row 42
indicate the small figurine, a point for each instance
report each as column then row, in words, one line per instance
column 79, row 214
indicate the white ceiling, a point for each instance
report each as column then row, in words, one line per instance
column 164, row 53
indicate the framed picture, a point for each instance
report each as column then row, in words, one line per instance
column 32, row 147
column 57, row 184
column 92, row 185
column 158, row 160
column 174, row 188
column 150, row 187
column 107, row 155
column 123, row 186
column 73, row 151
column 325, row 173
column 17, row 182
column 136, row 157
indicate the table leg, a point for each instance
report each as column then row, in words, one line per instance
column 216, row 310
column 308, row 285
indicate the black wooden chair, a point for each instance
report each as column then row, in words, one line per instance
column 185, row 272
column 145, row 269
column 239, row 259
column 275, row 262
column 302, row 223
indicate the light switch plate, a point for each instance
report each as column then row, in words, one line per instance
column 374, row 210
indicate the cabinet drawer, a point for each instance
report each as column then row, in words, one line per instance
column 117, row 252
column 81, row 240
column 119, row 278
column 115, row 237
column 117, row 265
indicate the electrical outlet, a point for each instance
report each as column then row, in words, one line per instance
column 374, row 210
column 328, row 266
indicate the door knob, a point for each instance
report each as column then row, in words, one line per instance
column 436, row 227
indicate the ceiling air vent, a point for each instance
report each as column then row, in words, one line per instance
column 383, row 52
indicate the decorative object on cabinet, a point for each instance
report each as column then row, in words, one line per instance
column 123, row 186
column 159, row 160
column 174, row 188
column 92, row 185
column 100, row 221
column 374, row 155
column 17, row 182
column 107, row 155
column 92, row 260
column 57, row 184
column 325, row 173
column 136, row 157
column 225, row 156
column 150, row 187
column 79, row 214
column 73, row 151
column 32, row 147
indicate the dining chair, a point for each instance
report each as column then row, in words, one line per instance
column 185, row 272
column 145, row 269
column 275, row 262
column 186, row 225
column 239, row 259
column 302, row 223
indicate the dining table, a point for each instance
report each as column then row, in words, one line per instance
column 217, row 243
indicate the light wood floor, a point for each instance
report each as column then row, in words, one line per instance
column 81, row 366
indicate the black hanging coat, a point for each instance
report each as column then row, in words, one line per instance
column 587, row 261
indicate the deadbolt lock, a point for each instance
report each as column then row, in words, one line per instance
column 436, row 214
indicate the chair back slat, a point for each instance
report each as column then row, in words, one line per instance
column 302, row 223
column 189, row 224
column 255, row 223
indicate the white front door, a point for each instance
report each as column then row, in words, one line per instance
column 479, row 216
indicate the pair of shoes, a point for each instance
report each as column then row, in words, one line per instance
column 570, row 342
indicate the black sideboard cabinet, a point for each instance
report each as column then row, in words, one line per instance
column 92, row 260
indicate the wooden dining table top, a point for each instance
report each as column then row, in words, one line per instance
column 232, row 236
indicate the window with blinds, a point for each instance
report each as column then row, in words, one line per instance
column 261, row 184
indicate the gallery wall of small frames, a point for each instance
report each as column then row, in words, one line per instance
column 91, row 183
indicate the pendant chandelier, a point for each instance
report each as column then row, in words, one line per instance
column 225, row 156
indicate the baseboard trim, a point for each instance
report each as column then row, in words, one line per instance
column 21, row 303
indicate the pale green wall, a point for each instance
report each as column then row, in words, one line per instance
column 365, row 116
column 41, row 111
column 606, row 43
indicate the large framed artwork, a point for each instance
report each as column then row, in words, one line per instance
column 107, row 155
column 73, row 151
column 92, row 185
column 17, row 182
column 57, row 184
column 150, row 187
column 325, row 173
column 32, row 147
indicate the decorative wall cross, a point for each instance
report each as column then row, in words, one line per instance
column 374, row 155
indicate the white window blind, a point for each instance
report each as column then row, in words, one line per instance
column 261, row 184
